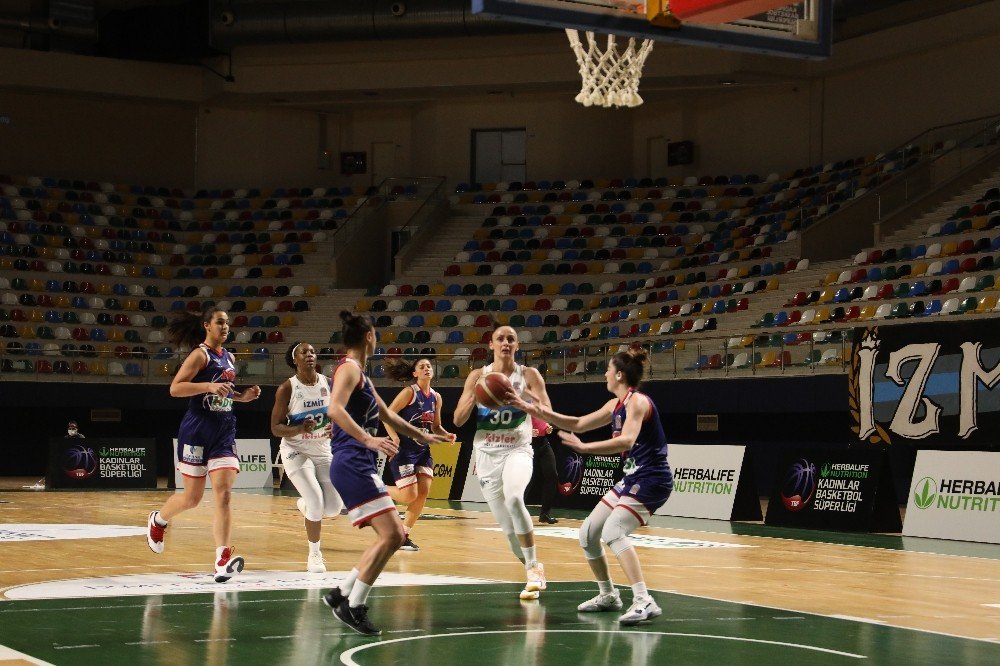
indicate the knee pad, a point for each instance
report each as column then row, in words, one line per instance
column 519, row 516
column 314, row 511
column 616, row 530
column 590, row 540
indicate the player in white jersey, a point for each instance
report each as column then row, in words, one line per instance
column 299, row 417
column 502, row 451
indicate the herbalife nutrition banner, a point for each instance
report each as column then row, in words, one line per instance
column 930, row 385
column 255, row 465
column 101, row 463
column 711, row 481
column 955, row 495
column 830, row 489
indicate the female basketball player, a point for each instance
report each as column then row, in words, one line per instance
column 206, row 441
column 412, row 467
column 638, row 434
column 355, row 409
column 503, row 453
column 299, row 417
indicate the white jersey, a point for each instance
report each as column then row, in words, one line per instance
column 312, row 401
column 504, row 429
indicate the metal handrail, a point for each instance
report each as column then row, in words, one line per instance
column 683, row 359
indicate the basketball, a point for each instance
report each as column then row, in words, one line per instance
column 492, row 389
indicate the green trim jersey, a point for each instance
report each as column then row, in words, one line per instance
column 504, row 429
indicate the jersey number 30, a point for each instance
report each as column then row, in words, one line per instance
column 502, row 418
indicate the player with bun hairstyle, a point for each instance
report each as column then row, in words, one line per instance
column 299, row 417
column 502, row 450
column 637, row 434
column 355, row 409
column 206, row 441
column 412, row 467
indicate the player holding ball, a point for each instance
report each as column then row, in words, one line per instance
column 502, row 450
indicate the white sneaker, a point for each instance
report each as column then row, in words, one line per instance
column 536, row 582
column 228, row 565
column 154, row 534
column 602, row 602
column 316, row 563
column 641, row 609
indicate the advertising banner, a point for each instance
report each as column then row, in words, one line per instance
column 445, row 457
column 101, row 462
column 706, row 481
column 955, row 495
column 255, row 465
column 930, row 385
column 837, row 490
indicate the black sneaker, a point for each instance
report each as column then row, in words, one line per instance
column 356, row 618
column 546, row 518
column 409, row 545
column 333, row 598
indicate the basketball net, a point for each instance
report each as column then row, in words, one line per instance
column 610, row 77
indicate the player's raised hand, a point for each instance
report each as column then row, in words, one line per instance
column 572, row 441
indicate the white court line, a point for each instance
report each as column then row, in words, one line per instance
column 10, row 654
column 853, row 619
column 347, row 658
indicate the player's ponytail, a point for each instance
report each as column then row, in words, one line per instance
column 354, row 329
column 187, row 328
column 632, row 365
column 400, row 369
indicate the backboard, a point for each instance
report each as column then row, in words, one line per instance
column 775, row 27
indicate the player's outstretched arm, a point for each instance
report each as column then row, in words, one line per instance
column 467, row 402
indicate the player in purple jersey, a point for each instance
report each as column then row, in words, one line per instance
column 206, row 441
column 412, row 467
column 637, row 434
column 355, row 409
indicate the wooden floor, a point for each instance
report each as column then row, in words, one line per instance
column 875, row 579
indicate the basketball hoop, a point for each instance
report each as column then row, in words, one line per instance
column 610, row 77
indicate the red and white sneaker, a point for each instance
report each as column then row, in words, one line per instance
column 154, row 534
column 228, row 565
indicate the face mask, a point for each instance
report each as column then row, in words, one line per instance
column 71, row 432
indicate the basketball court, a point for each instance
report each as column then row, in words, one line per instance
column 80, row 586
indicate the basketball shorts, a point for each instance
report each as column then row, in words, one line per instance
column 490, row 469
column 355, row 476
column 411, row 461
column 206, row 444
column 641, row 495
column 294, row 459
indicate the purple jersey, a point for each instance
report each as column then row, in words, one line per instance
column 219, row 367
column 361, row 406
column 419, row 413
column 648, row 455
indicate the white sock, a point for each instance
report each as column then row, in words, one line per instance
column 218, row 552
column 359, row 594
column 314, row 547
column 159, row 520
column 530, row 558
column 348, row 583
column 605, row 586
column 639, row 591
